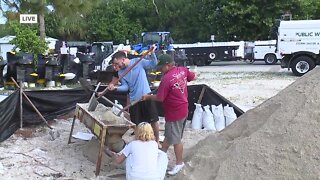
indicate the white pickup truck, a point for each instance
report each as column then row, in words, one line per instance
column 266, row 51
column 299, row 45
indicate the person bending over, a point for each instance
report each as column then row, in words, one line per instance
column 137, row 84
column 144, row 161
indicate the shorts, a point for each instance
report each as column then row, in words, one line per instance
column 144, row 111
column 173, row 131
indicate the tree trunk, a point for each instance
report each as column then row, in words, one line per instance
column 42, row 26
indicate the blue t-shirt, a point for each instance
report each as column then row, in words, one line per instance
column 136, row 80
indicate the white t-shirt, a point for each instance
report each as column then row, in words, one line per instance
column 144, row 158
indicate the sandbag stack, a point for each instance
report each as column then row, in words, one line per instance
column 215, row 119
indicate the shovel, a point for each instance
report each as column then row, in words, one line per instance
column 53, row 133
column 133, row 103
column 87, row 87
column 131, row 67
column 93, row 102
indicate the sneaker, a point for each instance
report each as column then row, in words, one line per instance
column 177, row 168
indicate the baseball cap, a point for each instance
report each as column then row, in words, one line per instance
column 164, row 59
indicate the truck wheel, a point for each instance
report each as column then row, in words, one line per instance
column 207, row 62
column 270, row 59
column 301, row 65
column 190, row 61
column 199, row 61
column 213, row 55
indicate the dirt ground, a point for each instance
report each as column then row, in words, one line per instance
column 30, row 154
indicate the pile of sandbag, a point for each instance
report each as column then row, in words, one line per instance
column 215, row 119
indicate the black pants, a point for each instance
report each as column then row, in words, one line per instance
column 144, row 111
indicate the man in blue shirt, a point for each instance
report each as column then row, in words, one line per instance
column 136, row 82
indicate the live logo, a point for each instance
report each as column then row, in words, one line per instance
column 28, row 18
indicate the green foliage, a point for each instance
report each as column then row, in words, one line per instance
column 27, row 39
column 311, row 9
column 110, row 23
column 4, row 30
column 68, row 19
column 244, row 20
column 188, row 20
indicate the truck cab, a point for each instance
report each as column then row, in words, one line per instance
column 101, row 50
column 299, row 45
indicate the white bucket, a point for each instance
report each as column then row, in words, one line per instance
column 58, row 84
column 32, row 85
column 25, row 84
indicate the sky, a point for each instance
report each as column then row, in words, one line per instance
column 2, row 19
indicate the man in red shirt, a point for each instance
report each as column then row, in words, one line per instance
column 173, row 93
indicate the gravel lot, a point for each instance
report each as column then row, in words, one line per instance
column 246, row 85
column 36, row 157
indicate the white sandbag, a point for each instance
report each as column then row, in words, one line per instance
column 116, row 110
column 207, row 119
column 197, row 117
column 229, row 114
column 218, row 116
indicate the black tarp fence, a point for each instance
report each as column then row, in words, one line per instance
column 210, row 97
column 53, row 103
column 50, row 103
column 9, row 116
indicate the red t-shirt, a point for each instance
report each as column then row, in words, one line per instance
column 173, row 93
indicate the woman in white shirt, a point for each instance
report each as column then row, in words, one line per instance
column 143, row 158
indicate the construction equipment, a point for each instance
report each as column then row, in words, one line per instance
column 109, row 133
column 162, row 40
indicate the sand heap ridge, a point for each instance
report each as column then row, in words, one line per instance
column 277, row 139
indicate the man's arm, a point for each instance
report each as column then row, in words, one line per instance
column 150, row 63
column 150, row 97
column 123, row 87
column 114, row 80
column 191, row 76
column 110, row 86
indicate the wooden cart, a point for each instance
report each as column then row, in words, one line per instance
column 100, row 127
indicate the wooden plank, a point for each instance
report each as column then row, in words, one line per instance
column 71, row 131
column 102, row 141
column 201, row 95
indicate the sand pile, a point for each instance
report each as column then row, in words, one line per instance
column 280, row 139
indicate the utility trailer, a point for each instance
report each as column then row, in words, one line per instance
column 299, row 45
column 205, row 53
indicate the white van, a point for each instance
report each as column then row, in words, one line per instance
column 299, row 45
column 266, row 51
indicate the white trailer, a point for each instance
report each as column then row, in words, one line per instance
column 299, row 45
column 266, row 51
column 205, row 53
